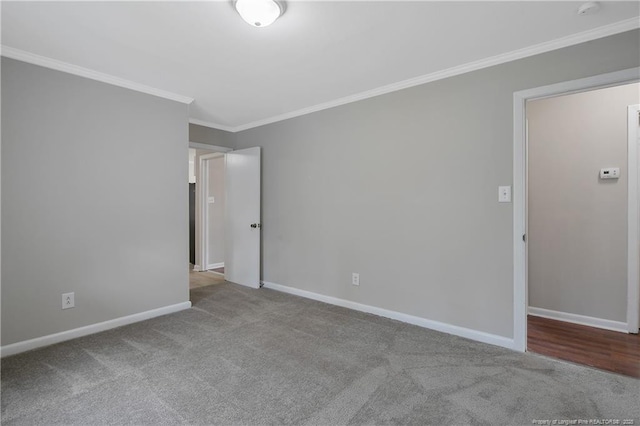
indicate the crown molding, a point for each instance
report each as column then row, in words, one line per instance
column 214, row 148
column 593, row 34
column 43, row 61
column 212, row 125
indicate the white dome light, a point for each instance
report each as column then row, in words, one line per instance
column 258, row 13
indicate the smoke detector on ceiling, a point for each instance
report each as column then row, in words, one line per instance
column 588, row 8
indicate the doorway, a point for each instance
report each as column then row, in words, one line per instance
column 192, row 208
column 199, row 276
column 211, row 167
column 572, row 264
column 227, row 213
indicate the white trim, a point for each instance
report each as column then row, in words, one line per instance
column 54, row 64
column 593, row 34
column 196, row 268
column 212, row 125
column 604, row 31
column 520, row 285
column 520, row 292
column 215, row 265
column 468, row 333
column 212, row 148
column 633, row 218
column 202, row 225
column 579, row 319
column 51, row 339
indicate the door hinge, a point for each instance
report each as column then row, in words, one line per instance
column 524, row 237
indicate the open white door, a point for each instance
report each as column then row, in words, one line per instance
column 242, row 218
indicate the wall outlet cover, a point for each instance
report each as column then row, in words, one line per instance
column 68, row 300
column 355, row 278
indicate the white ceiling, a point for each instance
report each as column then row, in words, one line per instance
column 317, row 54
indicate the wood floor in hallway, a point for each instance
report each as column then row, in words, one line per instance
column 595, row 347
column 201, row 279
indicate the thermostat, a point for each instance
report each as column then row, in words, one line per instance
column 610, row 173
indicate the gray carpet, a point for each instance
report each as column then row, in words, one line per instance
column 243, row 356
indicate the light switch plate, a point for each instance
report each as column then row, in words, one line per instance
column 504, row 194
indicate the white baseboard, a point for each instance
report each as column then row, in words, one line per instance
column 215, row 265
column 51, row 339
column 468, row 333
column 579, row 319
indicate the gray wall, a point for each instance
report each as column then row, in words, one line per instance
column 210, row 136
column 402, row 188
column 216, row 210
column 94, row 201
column 577, row 222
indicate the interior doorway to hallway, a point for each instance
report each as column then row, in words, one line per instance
column 580, row 219
column 211, row 223
column 201, row 274
column 227, row 213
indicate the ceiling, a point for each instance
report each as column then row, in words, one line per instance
column 318, row 54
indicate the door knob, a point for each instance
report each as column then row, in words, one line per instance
column 255, row 225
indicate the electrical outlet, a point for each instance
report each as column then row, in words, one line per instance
column 355, row 278
column 68, row 300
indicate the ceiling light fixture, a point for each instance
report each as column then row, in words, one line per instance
column 259, row 13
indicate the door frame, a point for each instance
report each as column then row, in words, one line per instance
column 520, row 284
column 201, row 231
column 633, row 218
column 202, row 207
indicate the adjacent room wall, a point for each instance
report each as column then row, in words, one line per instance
column 578, row 222
column 94, row 201
column 192, row 165
column 210, row 136
column 216, row 227
column 402, row 188
column 216, row 211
